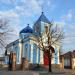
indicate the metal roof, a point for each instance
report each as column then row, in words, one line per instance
column 27, row 29
column 43, row 18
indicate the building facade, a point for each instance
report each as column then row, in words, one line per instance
column 68, row 60
column 27, row 44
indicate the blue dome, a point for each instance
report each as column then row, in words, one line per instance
column 27, row 29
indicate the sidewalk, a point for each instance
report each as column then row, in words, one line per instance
column 38, row 71
column 59, row 72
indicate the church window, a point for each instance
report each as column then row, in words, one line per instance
column 46, row 29
column 37, row 28
column 38, row 55
column 25, row 50
column 34, row 53
column 29, row 54
column 56, row 56
column 42, row 26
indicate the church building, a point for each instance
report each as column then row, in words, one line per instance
column 27, row 44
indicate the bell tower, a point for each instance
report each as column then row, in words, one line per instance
column 41, row 25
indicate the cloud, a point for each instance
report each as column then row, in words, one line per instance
column 60, row 24
column 12, row 16
column 9, row 13
column 28, row 7
column 22, row 11
column 68, row 16
column 13, row 23
column 46, row 3
column 69, row 37
column 70, row 34
column 13, row 19
column 69, row 30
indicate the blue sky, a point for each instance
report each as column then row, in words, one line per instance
column 22, row 12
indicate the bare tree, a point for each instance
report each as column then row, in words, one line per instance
column 6, row 32
column 51, row 36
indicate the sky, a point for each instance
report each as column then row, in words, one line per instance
column 23, row 12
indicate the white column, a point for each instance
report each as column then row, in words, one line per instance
column 28, row 50
column 21, row 49
column 41, row 57
column 58, row 55
column 31, row 53
column 37, row 56
column 52, row 61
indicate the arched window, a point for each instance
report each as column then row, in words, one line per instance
column 29, row 54
column 38, row 55
column 37, row 28
column 34, row 53
column 26, row 51
column 46, row 29
column 56, row 56
column 42, row 27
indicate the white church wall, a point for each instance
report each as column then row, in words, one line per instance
column 57, row 54
column 6, row 60
column 37, row 55
column 37, row 60
column 73, row 62
column 31, row 53
column 34, row 53
column 27, row 51
column 16, row 48
column 21, row 48
column 23, row 52
column 41, row 57
column 52, row 61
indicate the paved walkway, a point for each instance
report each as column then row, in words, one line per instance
column 18, row 73
column 59, row 72
column 37, row 71
column 55, row 72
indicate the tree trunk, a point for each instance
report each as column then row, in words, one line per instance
column 49, row 58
